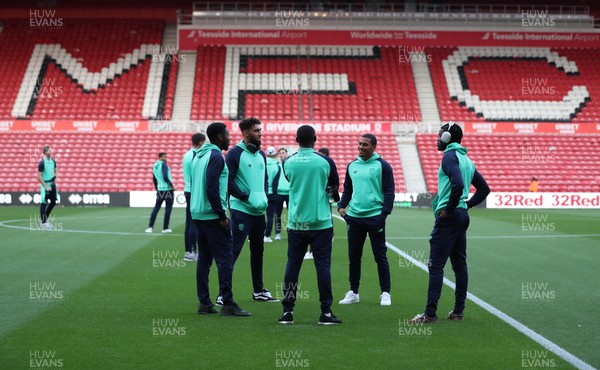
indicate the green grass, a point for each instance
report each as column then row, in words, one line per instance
column 112, row 292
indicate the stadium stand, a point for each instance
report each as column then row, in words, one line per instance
column 119, row 162
column 88, row 69
column 303, row 83
column 560, row 162
column 515, row 84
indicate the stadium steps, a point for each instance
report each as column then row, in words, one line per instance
column 184, row 90
column 424, row 86
column 169, row 43
column 414, row 178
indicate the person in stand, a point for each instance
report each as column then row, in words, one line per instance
column 533, row 186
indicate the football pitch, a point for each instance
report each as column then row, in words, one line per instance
column 99, row 293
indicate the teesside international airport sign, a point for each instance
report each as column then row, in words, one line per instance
column 190, row 37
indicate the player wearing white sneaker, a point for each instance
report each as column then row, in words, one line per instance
column 386, row 299
column 273, row 176
column 368, row 174
column 189, row 239
column 46, row 176
column 163, row 183
column 350, row 298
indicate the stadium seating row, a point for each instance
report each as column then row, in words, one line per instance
column 87, row 69
column 60, row 74
column 560, row 162
column 118, row 162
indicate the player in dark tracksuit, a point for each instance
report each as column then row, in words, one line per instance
column 189, row 239
column 449, row 236
column 48, row 194
column 163, row 183
column 209, row 178
column 248, row 187
column 273, row 175
column 313, row 178
column 367, row 200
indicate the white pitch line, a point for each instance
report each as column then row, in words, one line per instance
column 546, row 343
column 4, row 224
column 535, row 236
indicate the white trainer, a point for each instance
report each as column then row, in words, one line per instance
column 350, row 298
column 189, row 257
column 308, row 256
column 277, row 236
column 267, row 239
column 166, row 231
column 195, row 256
column 149, row 230
column 386, row 299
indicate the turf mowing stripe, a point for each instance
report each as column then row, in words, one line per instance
column 549, row 345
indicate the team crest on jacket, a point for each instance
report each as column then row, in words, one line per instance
column 371, row 171
column 241, row 227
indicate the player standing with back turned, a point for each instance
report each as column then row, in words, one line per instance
column 313, row 178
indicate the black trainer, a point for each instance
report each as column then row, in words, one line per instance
column 287, row 318
column 455, row 316
column 204, row 309
column 234, row 310
column 264, row 296
column 329, row 319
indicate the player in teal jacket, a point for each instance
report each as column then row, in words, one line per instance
column 449, row 236
column 46, row 176
column 313, row 178
column 208, row 188
column 165, row 192
column 189, row 239
column 283, row 192
column 367, row 200
column 248, row 189
column 273, row 178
